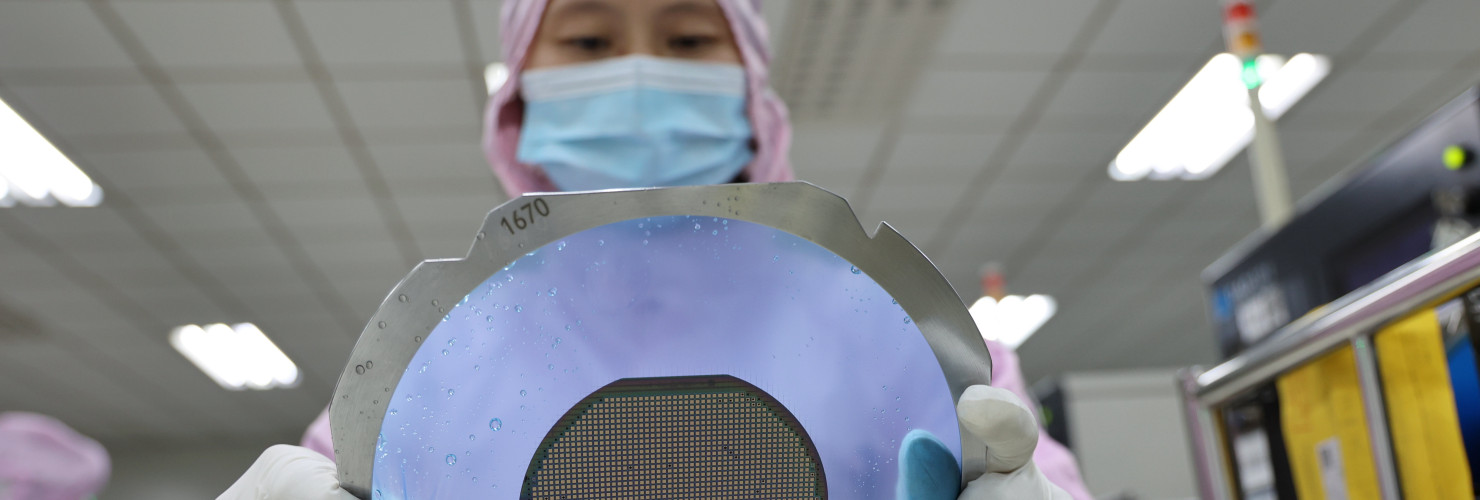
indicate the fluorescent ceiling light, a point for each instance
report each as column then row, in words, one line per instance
column 236, row 357
column 1014, row 319
column 1209, row 120
column 35, row 173
column 494, row 76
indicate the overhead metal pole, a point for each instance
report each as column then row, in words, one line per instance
column 1267, row 163
column 1266, row 159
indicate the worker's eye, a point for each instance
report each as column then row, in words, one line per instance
column 691, row 43
column 588, row 43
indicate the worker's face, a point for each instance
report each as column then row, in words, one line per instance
column 578, row 31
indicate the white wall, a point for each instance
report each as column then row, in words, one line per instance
column 176, row 471
column 1128, row 432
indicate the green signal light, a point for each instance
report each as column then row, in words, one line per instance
column 1250, row 73
column 1456, row 157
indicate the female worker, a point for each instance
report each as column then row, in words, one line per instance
column 637, row 93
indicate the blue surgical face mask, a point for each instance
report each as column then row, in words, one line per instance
column 636, row 121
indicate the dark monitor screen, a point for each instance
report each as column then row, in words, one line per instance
column 1408, row 237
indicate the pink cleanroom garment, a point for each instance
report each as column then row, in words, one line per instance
column 42, row 458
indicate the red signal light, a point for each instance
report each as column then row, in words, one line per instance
column 1239, row 11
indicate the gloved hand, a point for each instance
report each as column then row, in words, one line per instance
column 288, row 472
column 928, row 470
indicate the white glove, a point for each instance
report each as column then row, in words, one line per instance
column 999, row 419
column 286, row 472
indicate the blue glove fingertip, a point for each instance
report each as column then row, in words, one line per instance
column 927, row 468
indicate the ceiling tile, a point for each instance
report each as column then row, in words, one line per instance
column 1321, row 27
column 449, row 232
column 278, row 299
column 285, row 137
column 915, row 223
column 52, row 307
column 1028, row 172
column 1053, row 157
column 96, row 109
column 1003, row 94
column 446, row 134
column 88, row 222
column 1050, row 272
column 1092, row 237
column 383, row 32
column 106, row 331
column 1111, row 201
column 1013, row 27
column 181, row 169
column 142, row 273
column 939, row 157
column 1005, row 216
column 279, row 106
column 308, row 323
column 322, row 189
column 834, row 155
column 444, row 248
column 213, row 34
column 214, row 407
column 934, row 197
column 1361, row 95
column 486, row 20
column 1180, row 236
column 22, row 266
column 366, row 287
column 56, row 35
column 1138, row 94
column 1160, row 27
column 248, row 275
column 334, row 220
column 226, row 215
column 214, row 238
column 458, row 216
column 159, row 195
column 1439, row 26
column 321, row 353
column 182, row 306
column 348, row 261
column 70, row 376
column 400, row 104
column 146, row 264
column 351, row 246
column 1082, row 150
column 269, row 165
column 992, row 234
column 459, row 161
column 1018, row 198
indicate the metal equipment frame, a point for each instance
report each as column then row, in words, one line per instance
column 1350, row 320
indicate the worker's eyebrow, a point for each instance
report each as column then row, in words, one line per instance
column 691, row 7
column 582, row 6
